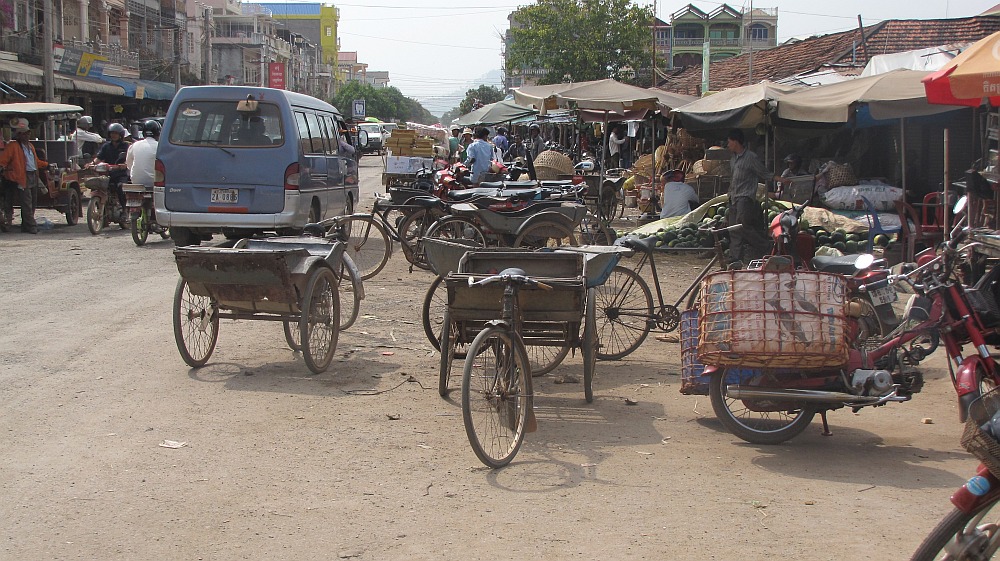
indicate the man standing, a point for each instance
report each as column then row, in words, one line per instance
column 535, row 144
column 615, row 141
column 500, row 140
column 479, row 155
column 21, row 165
column 751, row 241
column 453, row 143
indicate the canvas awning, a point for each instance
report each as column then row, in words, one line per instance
column 892, row 95
column 151, row 89
column 744, row 107
column 608, row 95
column 23, row 74
column 499, row 112
column 668, row 101
column 543, row 97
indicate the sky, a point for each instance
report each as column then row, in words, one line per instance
column 434, row 49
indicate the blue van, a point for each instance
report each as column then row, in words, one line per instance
column 244, row 160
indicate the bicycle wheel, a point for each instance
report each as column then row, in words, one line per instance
column 757, row 421
column 594, row 231
column 444, row 374
column 588, row 346
column 624, row 308
column 962, row 535
column 320, row 323
column 350, row 300
column 196, row 325
column 411, row 229
column 546, row 234
column 545, row 358
column 457, row 229
column 292, row 335
column 496, row 396
column 367, row 243
column 432, row 313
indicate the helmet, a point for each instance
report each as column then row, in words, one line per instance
column 793, row 158
column 118, row 128
column 84, row 122
column 456, row 128
column 151, row 129
column 534, row 127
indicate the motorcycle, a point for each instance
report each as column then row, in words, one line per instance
column 142, row 214
column 772, row 405
column 104, row 207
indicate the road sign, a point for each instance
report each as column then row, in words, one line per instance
column 359, row 109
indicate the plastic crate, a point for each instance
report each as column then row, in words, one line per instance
column 767, row 319
column 692, row 381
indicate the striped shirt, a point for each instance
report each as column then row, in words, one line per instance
column 746, row 169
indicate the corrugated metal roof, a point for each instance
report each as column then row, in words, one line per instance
column 279, row 9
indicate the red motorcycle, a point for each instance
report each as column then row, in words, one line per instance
column 771, row 405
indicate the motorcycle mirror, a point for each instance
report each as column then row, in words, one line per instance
column 585, row 165
column 864, row 261
column 960, row 205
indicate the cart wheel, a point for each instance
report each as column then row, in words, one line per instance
column 95, row 215
column 292, row 335
column 196, row 325
column 546, row 234
column 73, row 210
column 589, row 345
column 432, row 314
column 346, row 280
column 592, row 231
column 624, row 305
column 545, row 358
column 368, row 244
column 411, row 229
column 140, row 228
column 320, row 323
column 446, row 355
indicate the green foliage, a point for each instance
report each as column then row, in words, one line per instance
column 388, row 104
column 483, row 94
column 582, row 39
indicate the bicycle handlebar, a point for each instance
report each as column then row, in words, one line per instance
column 512, row 278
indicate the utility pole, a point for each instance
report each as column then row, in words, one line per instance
column 748, row 31
column 48, row 76
column 177, row 58
column 653, row 84
column 207, row 47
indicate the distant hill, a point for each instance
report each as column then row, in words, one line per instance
column 441, row 104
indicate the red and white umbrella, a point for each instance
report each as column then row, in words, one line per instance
column 970, row 78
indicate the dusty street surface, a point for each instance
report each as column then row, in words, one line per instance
column 282, row 464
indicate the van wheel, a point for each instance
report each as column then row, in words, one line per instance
column 313, row 213
column 184, row 236
column 349, row 207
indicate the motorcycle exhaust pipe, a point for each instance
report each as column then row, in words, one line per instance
column 807, row 396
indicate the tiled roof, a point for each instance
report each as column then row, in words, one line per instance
column 838, row 49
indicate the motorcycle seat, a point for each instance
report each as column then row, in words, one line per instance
column 509, row 184
column 425, row 202
column 843, row 265
column 471, row 194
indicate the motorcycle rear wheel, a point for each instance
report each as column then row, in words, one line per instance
column 766, row 427
column 140, row 228
column 95, row 215
column 962, row 535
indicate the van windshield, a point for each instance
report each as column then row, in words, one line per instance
column 219, row 123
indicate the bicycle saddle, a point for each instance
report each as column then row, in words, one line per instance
column 425, row 202
column 513, row 271
column 843, row 265
column 645, row 245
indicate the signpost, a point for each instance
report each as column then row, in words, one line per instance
column 358, row 113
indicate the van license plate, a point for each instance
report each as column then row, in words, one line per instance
column 225, row 195
column 884, row 295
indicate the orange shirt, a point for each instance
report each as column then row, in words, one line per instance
column 13, row 161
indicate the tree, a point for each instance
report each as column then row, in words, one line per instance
column 580, row 40
column 474, row 99
column 388, row 104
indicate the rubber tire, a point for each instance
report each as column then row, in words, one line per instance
column 292, row 335
column 374, row 241
column 942, row 534
column 603, row 235
column 140, row 235
column 615, row 291
column 182, row 342
column 430, row 301
column 346, row 286
column 73, row 208
column 749, row 434
column 95, row 215
column 445, row 228
column 545, row 358
column 524, row 379
column 588, row 346
column 349, row 205
column 445, row 344
column 411, row 229
column 184, row 237
column 322, row 283
column 565, row 234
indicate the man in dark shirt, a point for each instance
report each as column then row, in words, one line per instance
column 113, row 152
column 751, row 242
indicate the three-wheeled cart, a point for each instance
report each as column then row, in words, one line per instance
column 294, row 280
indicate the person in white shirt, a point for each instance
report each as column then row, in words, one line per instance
column 615, row 141
column 141, row 156
column 82, row 135
column 679, row 198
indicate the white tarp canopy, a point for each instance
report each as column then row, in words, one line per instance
column 744, row 107
column 543, row 97
column 929, row 60
column 891, row 95
column 494, row 113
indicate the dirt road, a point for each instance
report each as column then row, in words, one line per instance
column 362, row 463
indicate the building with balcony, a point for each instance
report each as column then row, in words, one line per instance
column 728, row 31
column 245, row 45
column 314, row 21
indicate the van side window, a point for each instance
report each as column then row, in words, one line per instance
column 329, row 135
column 315, row 134
column 304, row 140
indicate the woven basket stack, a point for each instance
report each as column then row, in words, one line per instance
column 550, row 164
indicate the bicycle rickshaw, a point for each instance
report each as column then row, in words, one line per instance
column 294, row 280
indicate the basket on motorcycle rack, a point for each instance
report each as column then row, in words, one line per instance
column 982, row 430
column 770, row 319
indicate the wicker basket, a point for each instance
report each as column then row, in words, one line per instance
column 768, row 319
column 549, row 165
column 977, row 441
